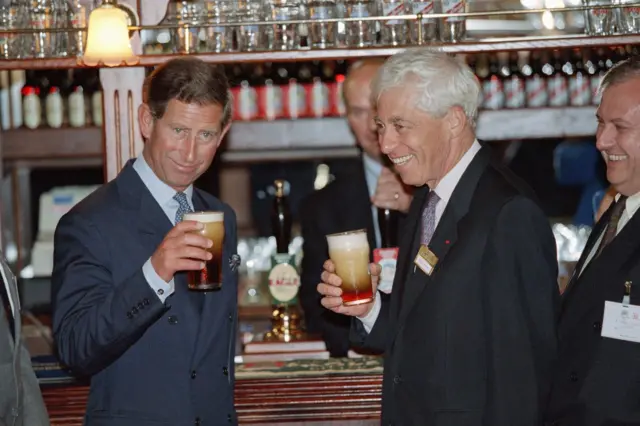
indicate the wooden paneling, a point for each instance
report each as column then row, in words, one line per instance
column 335, row 400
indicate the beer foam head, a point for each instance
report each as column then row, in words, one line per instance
column 351, row 240
column 204, row 217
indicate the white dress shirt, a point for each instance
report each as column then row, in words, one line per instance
column 444, row 190
column 630, row 208
column 163, row 194
column 372, row 170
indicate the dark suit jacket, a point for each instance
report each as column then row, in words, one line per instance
column 21, row 402
column 473, row 343
column 342, row 205
column 151, row 363
column 597, row 379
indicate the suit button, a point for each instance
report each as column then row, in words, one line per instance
column 229, row 418
column 230, row 317
column 134, row 310
column 597, row 326
column 197, row 421
column 129, row 315
column 193, row 374
column 397, row 380
column 140, row 305
column 225, row 371
column 172, row 319
column 573, row 376
column 145, row 301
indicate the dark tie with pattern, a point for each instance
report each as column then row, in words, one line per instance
column 612, row 225
column 183, row 206
column 429, row 218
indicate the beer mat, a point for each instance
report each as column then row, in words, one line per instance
column 310, row 367
column 49, row 371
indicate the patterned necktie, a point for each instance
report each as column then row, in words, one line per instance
column 429, row 218
column 612, row 225
column 183, row 206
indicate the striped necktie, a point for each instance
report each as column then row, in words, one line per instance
column 429, row 218
column 183, row 206
column 612, row 225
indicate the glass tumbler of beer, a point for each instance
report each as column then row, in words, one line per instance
column 210, row 277
column 349, row 252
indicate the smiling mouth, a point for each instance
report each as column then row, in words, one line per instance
column 614, row 158
column 399, row 161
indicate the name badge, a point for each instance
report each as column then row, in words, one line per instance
column 621, row 322
column 387, row 258
column 426, row 260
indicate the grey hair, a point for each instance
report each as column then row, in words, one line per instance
column 621, row 72
column 441, row 81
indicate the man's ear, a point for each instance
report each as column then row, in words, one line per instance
column 224, row 132
column 145, row 120
column 457, row 120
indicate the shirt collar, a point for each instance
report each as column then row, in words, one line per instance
column 372, row 170
column 161, row 192
column 632, row 204
column 448, row 183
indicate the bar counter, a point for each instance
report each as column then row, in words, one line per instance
column 343, row 392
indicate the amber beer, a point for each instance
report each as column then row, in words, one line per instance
column 349, row 252
column 210, row 277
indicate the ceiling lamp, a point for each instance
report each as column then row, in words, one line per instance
column 108, row 36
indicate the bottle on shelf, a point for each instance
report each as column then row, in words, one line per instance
column 537, row 95
column 579, row 81
column 514, row 90
column 557, row 82
column 77, row 100
column 95, row 89
column 5, row 101
column 31, row 103
column 54, row 104
column 492, row 86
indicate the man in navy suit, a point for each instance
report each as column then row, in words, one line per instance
column 157, row 353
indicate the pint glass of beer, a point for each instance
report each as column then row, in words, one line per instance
column 349, row 252
column 210, row 277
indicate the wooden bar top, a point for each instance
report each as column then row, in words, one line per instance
column 310, row 392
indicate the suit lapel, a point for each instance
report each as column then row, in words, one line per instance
column 446, row 233
column 588, row 248
column 594, row 283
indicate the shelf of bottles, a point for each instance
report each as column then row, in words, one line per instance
column 50, row 113
column 298, row 105
column 51, row 33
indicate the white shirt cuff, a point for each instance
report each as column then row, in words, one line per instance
column 370, row 319
column 162, row 288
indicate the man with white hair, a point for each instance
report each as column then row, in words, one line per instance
column 469, row 331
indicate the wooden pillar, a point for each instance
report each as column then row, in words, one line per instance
column 122, row 95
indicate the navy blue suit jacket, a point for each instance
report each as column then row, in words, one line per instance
column 151, row 363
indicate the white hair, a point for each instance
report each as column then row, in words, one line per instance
column 441, row 81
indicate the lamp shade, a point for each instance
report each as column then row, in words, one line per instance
column 108, row 38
